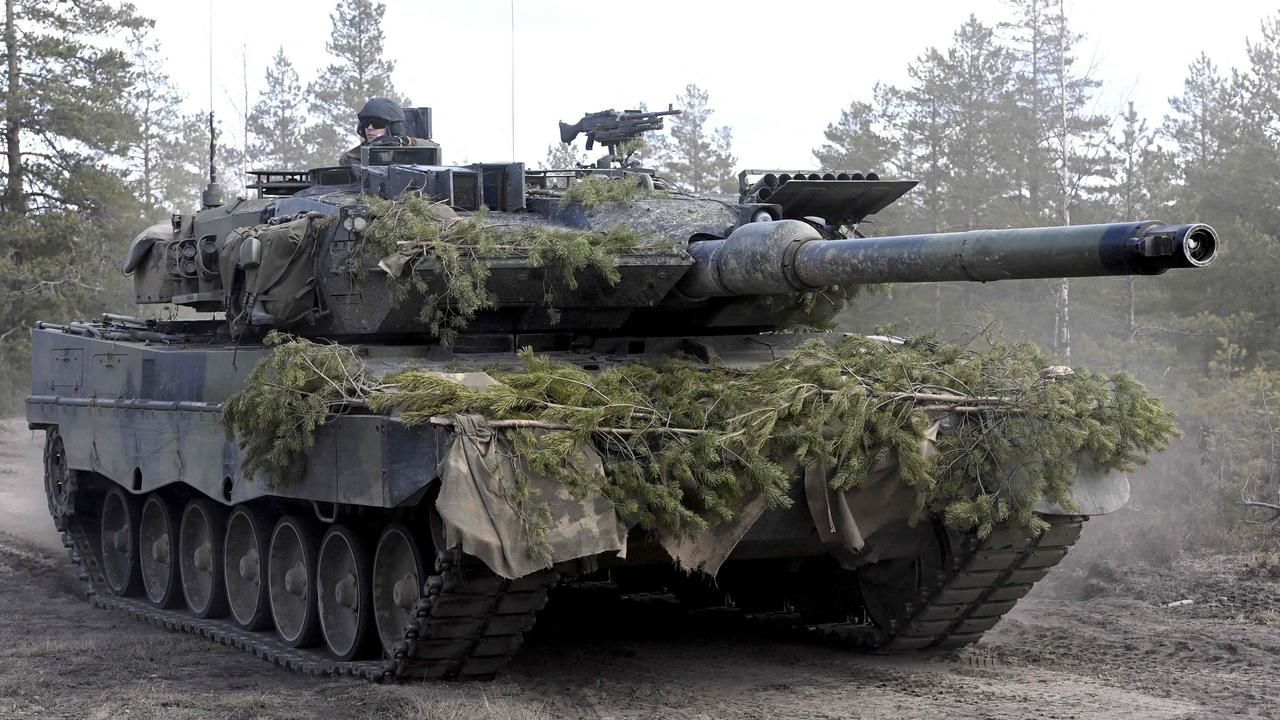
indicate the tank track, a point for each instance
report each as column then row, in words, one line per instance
column 468, row 621
column 982, row 582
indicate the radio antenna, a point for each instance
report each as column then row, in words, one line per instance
column 213, row 191
column 211, row 56
column 513, row 80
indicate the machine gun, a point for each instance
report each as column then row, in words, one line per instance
column 611, row 129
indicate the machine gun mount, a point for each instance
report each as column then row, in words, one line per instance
column 613, row 130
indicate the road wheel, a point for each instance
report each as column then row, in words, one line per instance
column 397, row 581
column 200, row 543
column 120, row 542
column 244, row 568
column 291, row 574
column 158, row 543
column 343, row 592
column 890, row 588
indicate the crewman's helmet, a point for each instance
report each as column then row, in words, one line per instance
column 384, row 111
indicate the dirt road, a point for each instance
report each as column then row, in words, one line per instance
column 1117, row 654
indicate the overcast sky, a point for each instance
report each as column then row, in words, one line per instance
column 777, row 72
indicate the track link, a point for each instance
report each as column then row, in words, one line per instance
column 468, row 621
column 983, row 581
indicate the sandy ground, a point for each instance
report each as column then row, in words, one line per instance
column 1094, row 641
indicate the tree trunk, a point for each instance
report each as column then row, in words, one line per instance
column 1033, row 178
column 14, row 198
column 1133, row 302
column 1063, row 318
column 937, row 287
column 148, row 140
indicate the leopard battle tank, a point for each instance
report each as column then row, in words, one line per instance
column 376, row 557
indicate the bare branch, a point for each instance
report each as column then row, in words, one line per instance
column 1271, row 507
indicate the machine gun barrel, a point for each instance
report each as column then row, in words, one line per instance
column 789, row 256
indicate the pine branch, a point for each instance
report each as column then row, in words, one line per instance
column 684, row 443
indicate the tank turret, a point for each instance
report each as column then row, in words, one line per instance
column 303, row 256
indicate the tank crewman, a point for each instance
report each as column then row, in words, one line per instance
column 380, row 122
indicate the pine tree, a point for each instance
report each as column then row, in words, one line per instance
column 1196, row 118
column 1140, row 183
column 693, row 155
column 923, row 116
column 866, row 139
column 277, row 122
column 169, row 154
column 948, row 129
column 1229, row 148
column 1062, row 137
column 952, row 136
column 1248, row 183
column 862, row 139
column 65, row 94
column 66, row 214
column 358, row 72
column 980, row 92
column 564, row 155
column 1139, row 186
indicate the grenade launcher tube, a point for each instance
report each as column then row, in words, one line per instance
column 789, row 256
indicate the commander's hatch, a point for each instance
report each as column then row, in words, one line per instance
column 838, row 198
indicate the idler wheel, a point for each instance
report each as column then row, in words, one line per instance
column 158, row 546
column 397, row 582
column 59, row 480
column 200, row 541
column 343, row 592
column 244, row 568
column 291, row 575
column 120, row 542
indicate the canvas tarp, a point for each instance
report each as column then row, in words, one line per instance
column 707, row 550
column 846, row 518
column 477, row 474
column 479, row 468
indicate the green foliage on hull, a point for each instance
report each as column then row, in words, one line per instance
column 288, row 396
column 593, row 191
column 685, row 443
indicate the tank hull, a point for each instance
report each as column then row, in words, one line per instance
column 131, row 416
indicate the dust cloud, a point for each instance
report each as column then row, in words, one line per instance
column 24, row 513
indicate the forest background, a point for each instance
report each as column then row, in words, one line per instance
column 1002, row 128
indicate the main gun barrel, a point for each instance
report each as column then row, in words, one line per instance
column 790, row 256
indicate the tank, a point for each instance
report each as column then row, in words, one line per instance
column 377, row 558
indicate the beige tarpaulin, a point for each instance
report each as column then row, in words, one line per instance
column 847, row 518
column 477, row 474
column 480, row 465
column 707, row 550
column 394, row 263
